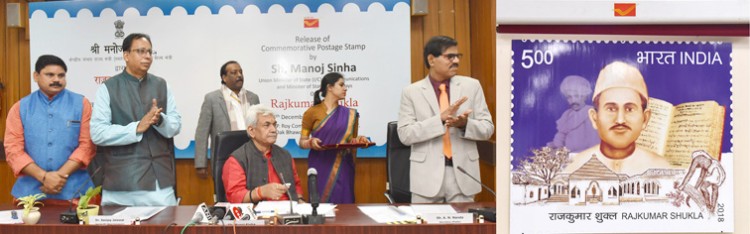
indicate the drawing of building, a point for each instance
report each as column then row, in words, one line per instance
column 594, row 183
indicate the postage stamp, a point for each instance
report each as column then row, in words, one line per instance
column 621, row 136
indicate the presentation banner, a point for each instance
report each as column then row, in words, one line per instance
column 284, row 49
column 621, row 137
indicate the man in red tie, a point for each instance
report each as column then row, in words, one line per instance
column 442, row 117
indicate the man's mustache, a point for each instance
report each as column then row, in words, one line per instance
column 620, row 125
column 454, row 65
column 55, row 84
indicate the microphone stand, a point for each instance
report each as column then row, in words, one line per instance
column 70, row 216
column 291, row 218
column 489, row 213
column 475, row 179
column 313, row 218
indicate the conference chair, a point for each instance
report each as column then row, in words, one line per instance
column 2, row 147
column 397, row 158
column 223, row 145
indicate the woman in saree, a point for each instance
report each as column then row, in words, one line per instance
column 328, row 123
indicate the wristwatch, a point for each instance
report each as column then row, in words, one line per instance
column 161, row 120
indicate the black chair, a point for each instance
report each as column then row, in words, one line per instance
column 2, row 147
column 223, row 145
column 397, row 157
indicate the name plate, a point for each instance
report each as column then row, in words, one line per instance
column 109, row 220
column 256, row 222
column 449, row 218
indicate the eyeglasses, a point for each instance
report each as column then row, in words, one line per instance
column 452, row 56
column 142, row 51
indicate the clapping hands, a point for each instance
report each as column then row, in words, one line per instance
column 449, row 115
column 151, row 118
column 458, row 121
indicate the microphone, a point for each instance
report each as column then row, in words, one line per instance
column 475, row 179
column 71, row 216
column 202, row 214
column 217, row 213
column 197, row 217
column 312, row 187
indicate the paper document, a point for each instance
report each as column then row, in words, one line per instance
column 433, row 209
column 6, row 217
column 279, row 207
column 142, row 212
column 282, row 207
column 386, row 214
column 326, row 209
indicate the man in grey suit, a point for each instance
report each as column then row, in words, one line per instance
column 222, row 110
column 441, row 141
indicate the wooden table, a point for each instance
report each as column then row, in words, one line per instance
column 349, row 219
